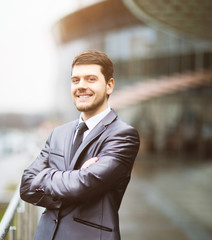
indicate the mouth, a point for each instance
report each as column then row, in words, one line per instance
column 83, row 97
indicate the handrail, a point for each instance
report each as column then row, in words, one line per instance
column 20, row 219
column 9, row 214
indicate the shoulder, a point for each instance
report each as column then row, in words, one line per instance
column 64, row 128
column 114, row 125
column 121, row 136
column 120, row 128
column 124, row 126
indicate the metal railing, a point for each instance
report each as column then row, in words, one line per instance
column 19, row 221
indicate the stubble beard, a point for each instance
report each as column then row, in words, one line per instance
column 90, row 107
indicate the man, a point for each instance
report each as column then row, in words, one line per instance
column 82, row 189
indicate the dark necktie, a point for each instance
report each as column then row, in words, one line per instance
column 78, row 140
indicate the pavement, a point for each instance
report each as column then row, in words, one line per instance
column 168, row 199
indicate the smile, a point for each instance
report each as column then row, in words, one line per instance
column 84, row 96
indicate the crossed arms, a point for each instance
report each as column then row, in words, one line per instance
column 49, row 187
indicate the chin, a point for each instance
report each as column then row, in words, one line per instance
column 83, row 107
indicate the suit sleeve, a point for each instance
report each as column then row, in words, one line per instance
column 116, row 159
column 37, row 196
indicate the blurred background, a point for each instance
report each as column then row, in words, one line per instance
column 162, row 55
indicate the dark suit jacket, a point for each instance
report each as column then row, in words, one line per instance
column 82, row 204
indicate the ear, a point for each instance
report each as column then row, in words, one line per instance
column 110, row 86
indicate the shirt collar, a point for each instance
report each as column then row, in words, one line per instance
column 93, row 121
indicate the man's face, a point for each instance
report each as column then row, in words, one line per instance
column 89, row 89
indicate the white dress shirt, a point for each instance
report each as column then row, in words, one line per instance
column 92, row 122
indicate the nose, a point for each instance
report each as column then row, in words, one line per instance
column 82, row 83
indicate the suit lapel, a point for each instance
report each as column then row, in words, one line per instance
column 91, row 136
column 100, row 127
column 68, row 143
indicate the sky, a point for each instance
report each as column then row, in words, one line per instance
column 28, row 53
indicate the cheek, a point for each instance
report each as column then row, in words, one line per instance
column 101, row 89
column 72, row 89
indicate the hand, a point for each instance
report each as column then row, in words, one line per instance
column 89, row 162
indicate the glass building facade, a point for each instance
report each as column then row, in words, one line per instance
column 178, row 123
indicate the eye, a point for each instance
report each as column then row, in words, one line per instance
column 75, row 80
column 91, row 78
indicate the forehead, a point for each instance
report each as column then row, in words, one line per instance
column 86, row 69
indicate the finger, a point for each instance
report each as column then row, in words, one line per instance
column 89, row 162
column 95, row 159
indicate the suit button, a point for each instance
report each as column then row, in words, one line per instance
column 56, row 221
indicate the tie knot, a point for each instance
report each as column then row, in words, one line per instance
column 82, row 127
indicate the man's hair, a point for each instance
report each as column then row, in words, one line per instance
column 96, row 57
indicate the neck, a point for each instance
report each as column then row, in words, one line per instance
column 86, row 115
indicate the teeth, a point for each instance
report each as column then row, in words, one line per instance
column 83, row 96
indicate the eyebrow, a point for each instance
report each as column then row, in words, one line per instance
column 86, row 76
